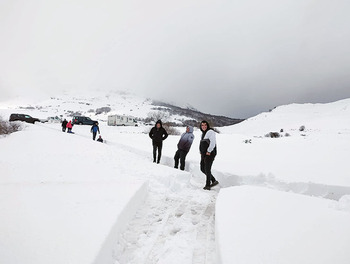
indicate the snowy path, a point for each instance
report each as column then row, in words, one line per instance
column 177, row 224
column 172, row 227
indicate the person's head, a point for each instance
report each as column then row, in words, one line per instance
column 189, row 129
column 204, row 126
column 158, row 124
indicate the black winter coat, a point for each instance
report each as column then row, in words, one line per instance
column 64, row 123
column 158, row 135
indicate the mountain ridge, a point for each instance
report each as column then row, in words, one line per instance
column 99, row 105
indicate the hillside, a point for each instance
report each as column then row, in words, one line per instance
column 99, row 105
column 332, row 117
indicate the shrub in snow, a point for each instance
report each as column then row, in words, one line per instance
column 8, row 128
column 302, row 128
column 27, row 107
column 170, row 129
column 248, row 141
column 273, row 135
column 287, row 135
column 157, row 115
column 102, row 110
column 71, row 113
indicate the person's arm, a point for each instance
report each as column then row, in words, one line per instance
column 165, row 134
column 151, row 133
column 212, row 138
column 189, row 142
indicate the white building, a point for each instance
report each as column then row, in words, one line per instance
column 121, row 120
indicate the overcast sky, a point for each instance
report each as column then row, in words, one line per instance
column 235, row 58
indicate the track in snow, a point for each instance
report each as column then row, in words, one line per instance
column 179, row 226
column 172, row 227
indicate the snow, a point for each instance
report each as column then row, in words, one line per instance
column 68, row 199
column 53, row 190
column 268, row 226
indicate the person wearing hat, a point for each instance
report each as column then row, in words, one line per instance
column 208, row 152
column 94, row 130
column 69, row 126
column 100, row 139
column 157, row 134
column 183, row 147
column 64, row 125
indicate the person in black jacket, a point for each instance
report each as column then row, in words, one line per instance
column 157, row 134
column 64, row 125
column 208, row 152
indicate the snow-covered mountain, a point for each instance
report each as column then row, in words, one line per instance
column 98, row 105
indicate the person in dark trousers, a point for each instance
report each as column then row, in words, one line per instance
column 69, row 127
column 157, row 134
column 94, row 130
column 207, row 148
column 183, row 147
column 64, row 125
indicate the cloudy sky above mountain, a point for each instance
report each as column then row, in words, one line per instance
column 236, row 58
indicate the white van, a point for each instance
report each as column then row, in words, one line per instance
column 121, row 120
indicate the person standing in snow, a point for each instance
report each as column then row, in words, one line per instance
column 69, row 127
column 94, row 130
column 157, row 134
column 183, row 147
column 207, row 148
column 64, row 125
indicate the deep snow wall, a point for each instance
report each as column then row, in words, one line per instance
column 106, row 254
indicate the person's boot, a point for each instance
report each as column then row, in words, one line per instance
column 214, row 184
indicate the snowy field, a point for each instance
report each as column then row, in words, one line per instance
column 68, row 199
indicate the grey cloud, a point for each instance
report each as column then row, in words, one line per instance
column 236, row 58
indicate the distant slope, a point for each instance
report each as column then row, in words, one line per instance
column 196, row 116
column 98, row 105
column 331, row 117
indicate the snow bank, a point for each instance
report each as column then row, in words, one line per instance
column 63, row 198
column 62, row 223
column 260, row 225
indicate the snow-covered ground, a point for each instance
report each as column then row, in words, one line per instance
column 68, row 199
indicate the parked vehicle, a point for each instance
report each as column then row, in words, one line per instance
column 121, row 120
column 82, row 120
column 24, row 117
